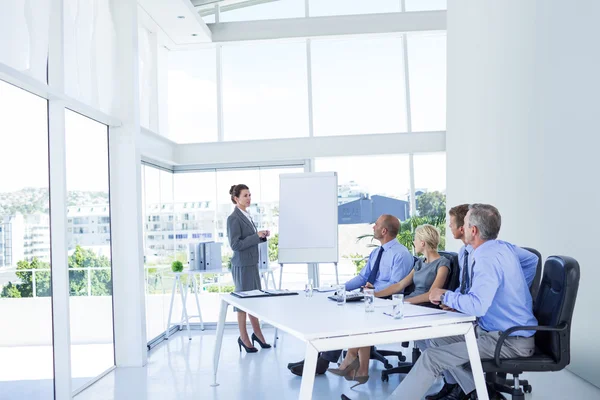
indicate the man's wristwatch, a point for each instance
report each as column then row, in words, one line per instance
column 442, row 298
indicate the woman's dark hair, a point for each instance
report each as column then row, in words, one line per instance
column 236, row 190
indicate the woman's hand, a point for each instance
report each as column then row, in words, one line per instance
column 263, row 234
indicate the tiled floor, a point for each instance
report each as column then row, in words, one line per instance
column 182, row 369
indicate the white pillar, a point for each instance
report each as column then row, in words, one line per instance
column 58, row 209
column 125, row 196
column 522, row 133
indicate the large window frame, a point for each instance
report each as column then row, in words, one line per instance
column 168, row 153
column 403, row 72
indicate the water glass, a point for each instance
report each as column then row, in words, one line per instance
column 398, row 306
column 369, row 300
column 341, row 295
column 308, row 288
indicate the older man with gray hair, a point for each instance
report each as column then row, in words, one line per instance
column 498, row 295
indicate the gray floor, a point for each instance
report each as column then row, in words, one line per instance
column 182, row 369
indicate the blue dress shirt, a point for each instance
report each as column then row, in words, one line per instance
column 396, row 262
column 499, row 295
column 528, row 261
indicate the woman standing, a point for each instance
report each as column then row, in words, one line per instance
column 244, row 239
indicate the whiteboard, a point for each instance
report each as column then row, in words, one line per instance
column 308, row 218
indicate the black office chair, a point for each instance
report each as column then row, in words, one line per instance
column 535, row 285
column 451, row 284
column 554, row 311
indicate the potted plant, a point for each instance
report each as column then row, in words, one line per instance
column 177, row 266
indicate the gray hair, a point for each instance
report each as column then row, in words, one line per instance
column 487, row 220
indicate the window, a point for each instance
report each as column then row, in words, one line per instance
column 268, row 10
column 425, row 5
column 364, row 193
column 366, row 95
column 346, row 7
column 26, row 313
column 192, row 105
column 157, row 191
column 430, row 187
column 427, row 74
column 92, row 341
column 265, row 93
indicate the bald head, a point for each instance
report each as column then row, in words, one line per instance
column 386, row 228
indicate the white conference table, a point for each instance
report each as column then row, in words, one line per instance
column 324, row 326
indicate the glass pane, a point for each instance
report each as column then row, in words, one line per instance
column 430, row 190
column 192, row 105
column 88, row 236
column 153, row 265
column 358, row 86
column 24, row 32
column 90, row 53
column 425, row 5
column 26, row 370
column 347, row 7
column 265, row 93
column 271, row 9
column 427, row 74
column 364, row 193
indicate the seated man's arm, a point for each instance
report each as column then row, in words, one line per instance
column 486, row 280
column 361, row 279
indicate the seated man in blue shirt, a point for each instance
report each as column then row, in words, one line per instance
column 527, row 260
column 387, row 264
column 497, row 294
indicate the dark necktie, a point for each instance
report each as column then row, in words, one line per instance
column 375, row 270
column 464, row 282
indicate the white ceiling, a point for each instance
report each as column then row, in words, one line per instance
column 178, row 20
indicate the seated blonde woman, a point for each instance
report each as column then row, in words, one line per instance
column 428, row 273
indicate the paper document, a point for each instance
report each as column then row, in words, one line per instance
column 382, row 303
column 411, row 310
column 277, row 291
column 323, row 289
column 250, row 293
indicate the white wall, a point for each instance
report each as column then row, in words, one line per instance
column 522, row 133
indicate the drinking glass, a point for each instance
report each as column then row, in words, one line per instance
column 308, row 288
column 369, row 300
column 398, row 306
column 341, row 295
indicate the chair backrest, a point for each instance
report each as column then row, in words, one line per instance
column 535, row 285
column 554, row 306
column 453, row 280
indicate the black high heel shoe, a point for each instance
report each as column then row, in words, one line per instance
column 248, row 349
column 262, row 345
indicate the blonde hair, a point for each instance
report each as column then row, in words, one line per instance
column 428, row 234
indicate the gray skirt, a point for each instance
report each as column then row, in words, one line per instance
column 245, row 278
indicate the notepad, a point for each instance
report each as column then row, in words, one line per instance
column 263, row 293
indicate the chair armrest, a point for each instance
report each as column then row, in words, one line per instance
column 560, row 328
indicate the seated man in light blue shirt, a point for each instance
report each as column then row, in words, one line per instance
column 387, row 264
column 527, row 260
column 497, row 294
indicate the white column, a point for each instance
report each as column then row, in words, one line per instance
column 125, row 196
column 58, row 209
column 523, row 88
